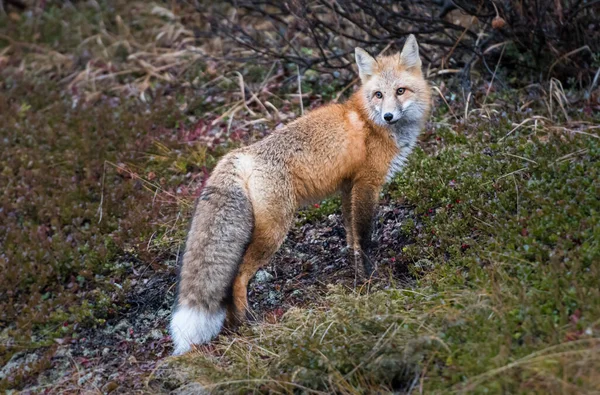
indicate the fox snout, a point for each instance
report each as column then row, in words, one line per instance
column 392, row 118
column 387, row 108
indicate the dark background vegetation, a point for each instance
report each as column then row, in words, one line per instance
column 452, row 34
column 113, row 113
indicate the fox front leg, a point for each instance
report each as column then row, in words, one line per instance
column 347, row 215
column 364, row 199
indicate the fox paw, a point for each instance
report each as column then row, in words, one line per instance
column 363, row 265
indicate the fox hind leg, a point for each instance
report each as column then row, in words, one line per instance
column 269, row 232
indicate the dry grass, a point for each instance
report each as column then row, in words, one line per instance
column 118, row 55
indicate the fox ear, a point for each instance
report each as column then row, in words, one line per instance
column 365, row 63
column 410, row 53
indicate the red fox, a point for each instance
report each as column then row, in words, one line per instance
column 248, row 204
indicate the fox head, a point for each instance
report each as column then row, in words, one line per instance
column 393, row 86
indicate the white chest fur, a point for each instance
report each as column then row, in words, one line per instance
column 405, row 141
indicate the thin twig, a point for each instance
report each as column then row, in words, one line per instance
column 102, row 193
column 493, row 75
column 445, row 101
column 243, row 93
column 568, row 54
column 536, row 117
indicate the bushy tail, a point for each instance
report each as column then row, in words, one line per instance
column 220, row 233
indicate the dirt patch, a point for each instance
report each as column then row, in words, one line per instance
column 315, row 255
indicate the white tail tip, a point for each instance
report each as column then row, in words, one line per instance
column 194, row 326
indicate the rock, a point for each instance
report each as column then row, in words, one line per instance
column 262, row 276
column 122, row 326
column 155, row 334
column 274, row 297
column 16, row 362
column 83, row 379
column 63, row 352
column 191, row 389
column 424, row 264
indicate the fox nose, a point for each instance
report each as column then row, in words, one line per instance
column 388, row 116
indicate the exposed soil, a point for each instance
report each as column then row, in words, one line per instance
column 315, row 255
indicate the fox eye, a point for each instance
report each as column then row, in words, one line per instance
column 378, row 95
column 400, row 91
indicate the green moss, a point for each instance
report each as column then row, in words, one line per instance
column 319, row 211
column 77, row 203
